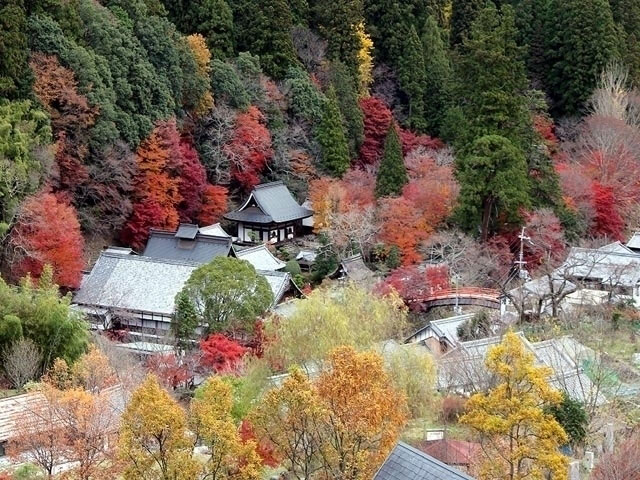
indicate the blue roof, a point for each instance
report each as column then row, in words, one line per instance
column 408, row 463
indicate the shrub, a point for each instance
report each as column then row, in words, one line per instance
column 452, row 407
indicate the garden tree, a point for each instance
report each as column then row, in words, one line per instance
column 547, row 243
column 92, row 371
column 15, row 76
column 211, row 421
column 185, row 322
column 286, row 418
column 174, row 372
column 493, row 185
column 353, row 231
column 249, row 150
column 338, row 24
column 202, row 56
column 412, row 371
column 403, row 226
column 221, row 353
column 331, row 137
column 518, row 438
column 607, row 220
column 413, row 282
column 324, row 321
column 263, row 28
column 377, row 120
column 214, row 204
column 412, row 75
column 463, row 14
column 327, row 196
column 477, row 327
column 47, row 232
column 571, row 415
column 157, row 193
column 365, row 61
column 438, row 75
column 25, row 135
column 581, row 39
column 45, row 317
column 10, row 331
column 392, row 172
column 326, row 260
column 228, row 294
column 359, row 186
column 491, row 80
column 154, row 441
column 365, row 414
column 345, row 86
column 21, row 361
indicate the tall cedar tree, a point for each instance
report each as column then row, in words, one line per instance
column 438, row 75
column 463, row 14
column 347, row 93
column 493, row 184
column 412, row 76
column 581, row 40
column 626, row 14
column 263, row 27
column 331, row 137
column 392, row 173
column 15, row 75
column 492, row 80
column 184, row 323
column 388, row 22
column 338, row 23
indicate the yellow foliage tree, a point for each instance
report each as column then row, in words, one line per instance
column 92, row 371
column 154, row 442
column 340, row 427
column 212, row 422
column 365, row 414
column 288, row 417
column 520, row 441
column 327, row 319
column 365, row 61
column 202, row 55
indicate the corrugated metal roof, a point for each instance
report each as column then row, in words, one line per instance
column 260, row 257
column 200, row 249
column 408, row 463
column 273, row 203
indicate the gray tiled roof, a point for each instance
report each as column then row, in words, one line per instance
column 273, row 203
column 260, row 257
column 187, row 230
column 201, row 249
column 408, row 463
column 355, row 269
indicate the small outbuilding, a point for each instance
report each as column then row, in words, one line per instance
column 270, row 214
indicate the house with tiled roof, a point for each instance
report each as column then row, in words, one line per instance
column 455, row 453
column 408, row 463
column 270, row 214
column 187, row 244
column 260, row 257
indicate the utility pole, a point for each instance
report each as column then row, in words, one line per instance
column 522, row 272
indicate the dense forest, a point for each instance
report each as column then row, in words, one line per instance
column 397, row 119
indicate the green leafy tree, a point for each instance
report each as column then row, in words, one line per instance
column 331, row 137
column 581, row 40
column 45, row 318
column 491, row 80
column 326, row 261
column 10, row 331
column 305, row 100
column 345, row 86
column 24, row 133
column 463, row 14
column 228, row 294
column 227, row 85
column 15, row 75
column 493, row 184
column 626, row 14
column 392, row 173
column 263, row 28
column 438, row 75
column 572, row 416
column 185, row 321
column 412, row 76
column 299, row 11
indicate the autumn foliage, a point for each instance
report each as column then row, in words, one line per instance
column 607, row 220
column 214, row 204
column 416, row 282
column 377, row 118
column 249, row 150
column 47, row 232
column 221, row 353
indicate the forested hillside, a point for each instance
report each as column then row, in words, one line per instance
column 397, row 119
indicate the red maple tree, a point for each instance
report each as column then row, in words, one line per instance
column 607, row 220
column 221, row 353
column 417, row 281
column 265, row 450
column 403, row 226
column 47, row 232
column 214, row 204
column 377, row 118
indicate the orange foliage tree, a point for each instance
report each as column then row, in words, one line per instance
column 403, row 226
column 214, row 204
column 47, row 232
column 249, row 150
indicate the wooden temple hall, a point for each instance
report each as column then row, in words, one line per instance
column 270, row 214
